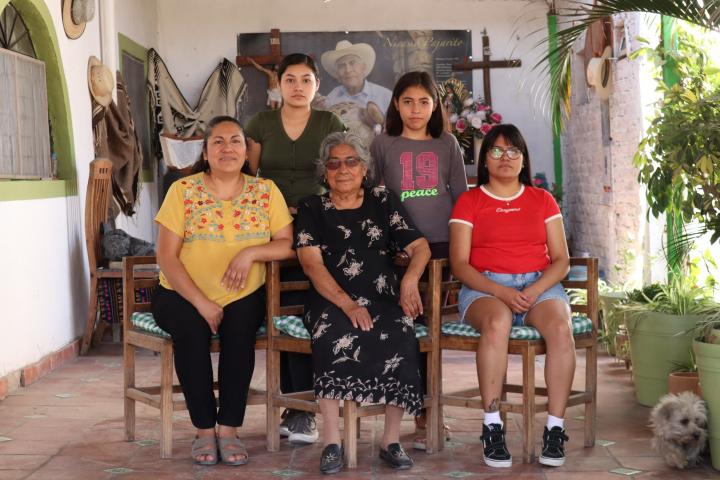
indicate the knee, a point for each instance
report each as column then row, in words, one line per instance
column 560, row 334
column 496, row 327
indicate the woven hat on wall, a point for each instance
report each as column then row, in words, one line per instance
column 75, row 14
column 100, row 81
column 599, row 74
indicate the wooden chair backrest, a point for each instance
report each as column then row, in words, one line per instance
column 274, row 287
column 96, row 208
column 133, row 280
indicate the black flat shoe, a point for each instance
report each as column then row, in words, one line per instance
column 331, row 459
column 396, row 457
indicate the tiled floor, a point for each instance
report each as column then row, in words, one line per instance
column 69, row 425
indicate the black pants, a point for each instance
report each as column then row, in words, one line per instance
column 191, row 341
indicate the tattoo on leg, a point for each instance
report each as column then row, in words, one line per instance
column 494, row 405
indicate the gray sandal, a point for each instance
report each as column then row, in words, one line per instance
column 230, row 446
column 204, row 446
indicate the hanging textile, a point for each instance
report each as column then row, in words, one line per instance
column 223, row 94
column 116, row 139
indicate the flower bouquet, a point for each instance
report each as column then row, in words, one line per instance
column 469, row 119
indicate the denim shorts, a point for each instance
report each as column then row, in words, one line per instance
column 517, row 281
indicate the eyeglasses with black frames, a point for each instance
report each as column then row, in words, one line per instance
column 334, row 163
column 513, row 153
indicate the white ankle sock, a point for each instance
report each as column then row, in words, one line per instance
column 492, row 417
column 555, row 422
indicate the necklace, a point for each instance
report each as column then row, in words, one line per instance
column 237, row 190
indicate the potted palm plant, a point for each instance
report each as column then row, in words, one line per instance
column 660, row 329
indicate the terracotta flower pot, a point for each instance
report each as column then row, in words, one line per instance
column 684, row 382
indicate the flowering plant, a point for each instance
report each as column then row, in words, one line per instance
column 540, row 180
column 468, row 118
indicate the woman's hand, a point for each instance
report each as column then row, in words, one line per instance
column 238, row 270
column 532, row 292
column 359, row 316
column 410, row 299
column 517, row 301
column 212, row 313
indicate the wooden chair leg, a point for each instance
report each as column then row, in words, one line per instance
column 166, row 403
column 350, row 418
column 439, row 414
column 129, row 382
column 591, row 388
column 92, row 314
column 272, row 379
column 528, row 405
column 433, row 423
column 357, row 425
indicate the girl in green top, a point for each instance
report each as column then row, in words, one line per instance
column 284, row 143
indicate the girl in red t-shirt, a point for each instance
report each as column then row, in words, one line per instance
column 508, row 248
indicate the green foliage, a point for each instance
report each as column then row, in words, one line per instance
column 679, row 297
column 679, row 157
column 577, row 16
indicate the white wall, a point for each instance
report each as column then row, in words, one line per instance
column 194, row 36
column 44, row 282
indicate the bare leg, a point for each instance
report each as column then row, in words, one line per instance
column 552, row 319
column 393, row 417
column 330, row 410
column 493, row 319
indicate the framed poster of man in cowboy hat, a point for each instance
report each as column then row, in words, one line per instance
column 360, row 67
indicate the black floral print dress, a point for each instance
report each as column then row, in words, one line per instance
column 358, row 245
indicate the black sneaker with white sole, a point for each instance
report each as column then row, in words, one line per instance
column 288, row 422
column 304, row 431
column 553, row 449
column 495, row 451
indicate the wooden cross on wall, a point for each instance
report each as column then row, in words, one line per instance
column 275, row 53
column 486, row 65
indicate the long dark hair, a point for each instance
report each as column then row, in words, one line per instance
column 438, row 119
column 512, row 135
column 298, row 59
column 203, row 165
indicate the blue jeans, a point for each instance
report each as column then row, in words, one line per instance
column 518, row 281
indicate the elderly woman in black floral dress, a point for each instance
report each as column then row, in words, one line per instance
column 359, row 315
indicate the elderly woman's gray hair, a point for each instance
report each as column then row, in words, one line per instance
column 352, row 140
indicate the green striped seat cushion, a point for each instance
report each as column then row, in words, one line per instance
column 580, row 323
column 293, row 326
column 144, row 321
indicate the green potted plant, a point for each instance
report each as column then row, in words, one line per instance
column 706, row 348
column 661, row 332
column 685, row 378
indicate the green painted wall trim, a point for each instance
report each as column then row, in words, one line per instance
column 42, row 32
column 557, row 148
column 32, row 189
column 134, row 49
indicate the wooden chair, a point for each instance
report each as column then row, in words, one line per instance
column 96, row 210
column 529, row 404
column 350, row 410
column 159, row 395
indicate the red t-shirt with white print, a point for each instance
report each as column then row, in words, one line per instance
column 508, row 234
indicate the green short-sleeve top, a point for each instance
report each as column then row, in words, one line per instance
column 290, row 164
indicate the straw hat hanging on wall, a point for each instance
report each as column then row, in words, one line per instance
column 75, row 14
column 599, row 74
column 100, row 81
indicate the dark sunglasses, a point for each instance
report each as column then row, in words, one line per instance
column 512, row 153
column 334, row 163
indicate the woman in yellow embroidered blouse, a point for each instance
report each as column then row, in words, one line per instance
column 216, row 230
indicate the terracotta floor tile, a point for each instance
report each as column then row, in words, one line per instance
column 80, row 437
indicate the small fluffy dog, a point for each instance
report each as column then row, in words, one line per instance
column 679, row 425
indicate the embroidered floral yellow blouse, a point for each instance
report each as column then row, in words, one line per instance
column 214, row 230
